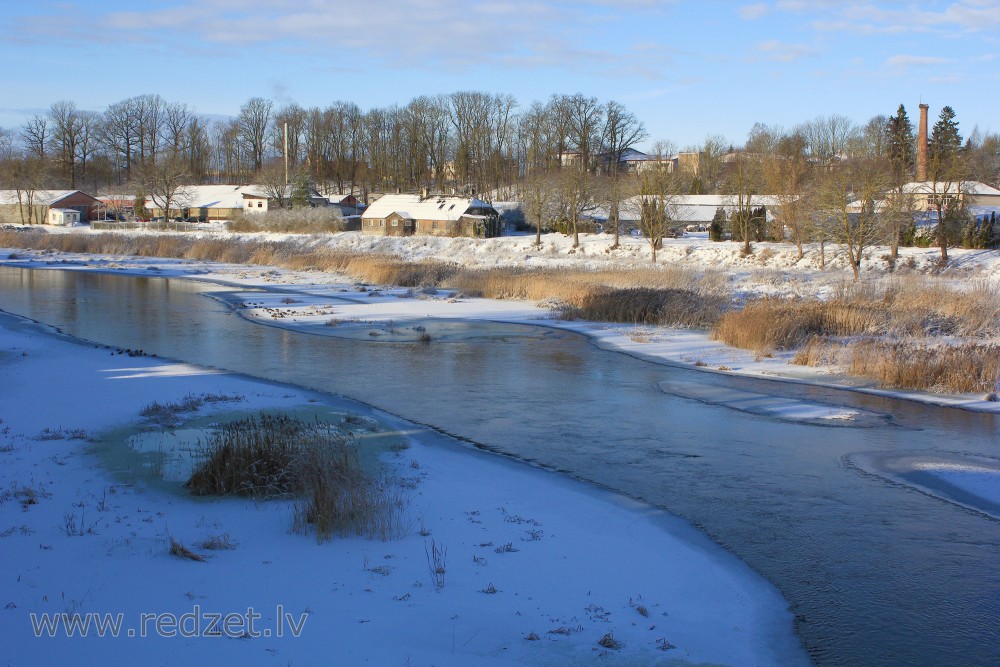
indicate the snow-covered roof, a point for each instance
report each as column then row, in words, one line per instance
column 414, row 207
column 632, row 155
column 212, row 196
column 690, row 208
column 969, row 187
column 41, row 197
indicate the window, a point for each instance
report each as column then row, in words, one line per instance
column 260, row 204
column 381, row 223
column 395, row 223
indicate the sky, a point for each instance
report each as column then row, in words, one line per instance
column 687, row 69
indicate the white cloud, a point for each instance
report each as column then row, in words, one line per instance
column 915, row 61
column 782, row 52
column 454, row 34
column 957, row 17
column 753, row 12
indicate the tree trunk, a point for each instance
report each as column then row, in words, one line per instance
column 942, row 236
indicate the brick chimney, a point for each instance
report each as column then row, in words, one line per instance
column 922, row 145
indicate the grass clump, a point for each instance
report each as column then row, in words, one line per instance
column 258, row 456
column 269, row 456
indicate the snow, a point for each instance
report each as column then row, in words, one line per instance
column 582, row 560
column 982, row 481
column 960, row 478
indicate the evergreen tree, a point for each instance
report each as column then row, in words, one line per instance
column 717, row 228
column 945, row 168
column 899, row 133
column 945, row 142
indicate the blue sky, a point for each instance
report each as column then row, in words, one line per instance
column 687, row 69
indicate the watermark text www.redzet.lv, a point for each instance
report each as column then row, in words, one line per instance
column 195, row 623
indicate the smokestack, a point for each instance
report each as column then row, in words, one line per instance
column 922, row 145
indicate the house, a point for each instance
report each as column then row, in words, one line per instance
column 63, row 217
column 432, row 215
column 349, row 204
column 14, row 204
column 967, row 193
column 690, row 210
column 977, row 198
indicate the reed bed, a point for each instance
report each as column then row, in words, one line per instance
column 965, row 368
column 276, row 456
column 893, row 308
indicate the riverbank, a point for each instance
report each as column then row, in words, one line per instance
column 529, row 554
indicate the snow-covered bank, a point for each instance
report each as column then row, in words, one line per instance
column 529, row 553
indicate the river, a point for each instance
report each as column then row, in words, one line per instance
column 876, row 572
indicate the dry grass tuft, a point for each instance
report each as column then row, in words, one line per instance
column 218, row 543
column 277, row 456
column 181, row 551
column 257, row 457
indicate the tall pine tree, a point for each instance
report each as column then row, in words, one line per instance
column 945, row 168
column 945, row 141
column 899, row 133
column 901, row 154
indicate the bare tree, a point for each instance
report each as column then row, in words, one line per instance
column 177, row 120
column 26, row 173
column 66, row 130
column 785, row 174
column 36, row 134
column 659, row 189
column 742, row 186
column 622, row 130
column 88, row 142
column 150, row 115
column 540, row 198
column 271, row 178
column 712, row 151
column 254, row 122
column 166, row 181
column 120, row 133
column 585, row 120
column 849, row 195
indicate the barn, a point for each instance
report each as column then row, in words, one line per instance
column 431, row 215
column 23, row 207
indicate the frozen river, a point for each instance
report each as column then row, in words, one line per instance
column 876, row 571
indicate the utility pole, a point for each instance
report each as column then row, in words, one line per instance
column 286, row 152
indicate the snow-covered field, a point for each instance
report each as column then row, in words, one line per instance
column 538, row 568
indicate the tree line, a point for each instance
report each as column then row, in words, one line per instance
column 561, row 157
